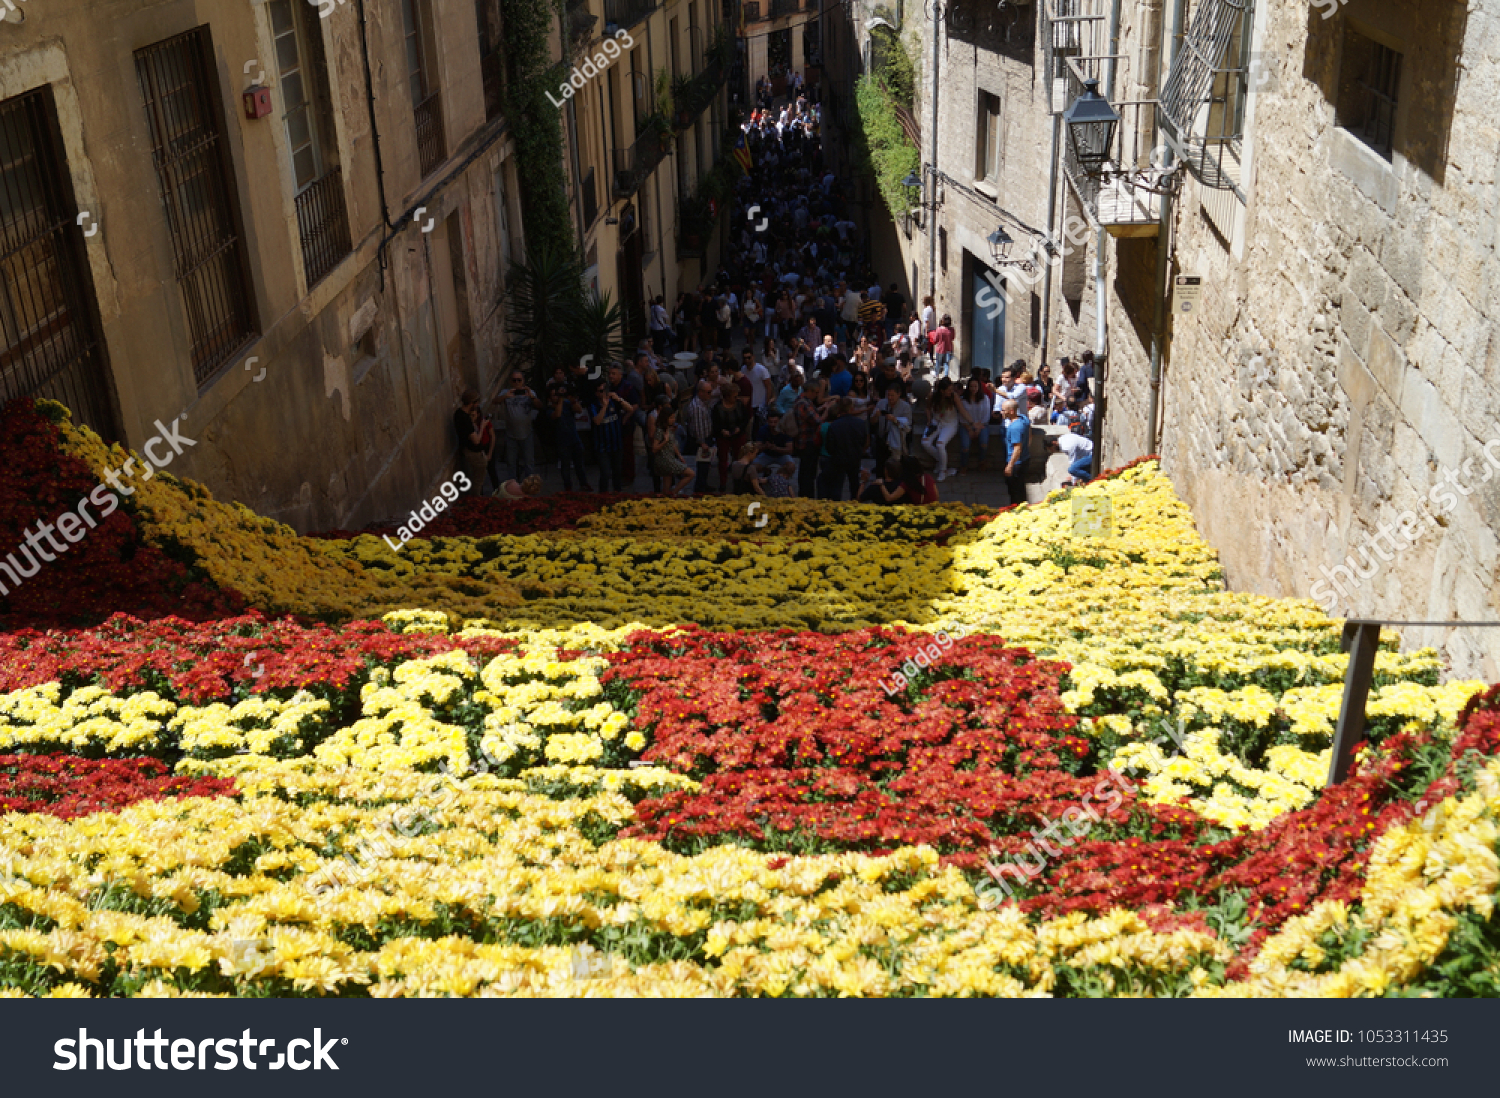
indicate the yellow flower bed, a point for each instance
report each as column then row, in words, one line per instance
column 266, row 561
column 510, row 860
column 489, row 877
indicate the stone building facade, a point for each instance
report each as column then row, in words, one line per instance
column 1330, row 406
column 990, row 163
column 628, row 170
column 285, row 222
column 1325, row 173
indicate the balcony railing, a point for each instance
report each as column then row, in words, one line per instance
column 1122, row 196
column 634, row 164
column 752, row 11
column 323, row 225
column 780, row 8
column 429, row 122
column 627, row 13
column 694, row 96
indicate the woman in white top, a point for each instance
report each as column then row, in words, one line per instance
column 890, row 423
column 859, row 393
column 948, row 416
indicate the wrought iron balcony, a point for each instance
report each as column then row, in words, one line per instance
column 622, row 14
column 634, row 164
column 431, row 150
column 323, row 225
column 782, row 8
column 1123, row 196
column 693, row 97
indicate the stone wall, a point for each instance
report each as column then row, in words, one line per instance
column 1343, row 368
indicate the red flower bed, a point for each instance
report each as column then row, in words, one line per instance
column 199, row 663
column 67, row 786
column 111, row 569
column 796, row 739
column 481, row 516
column 799, row 747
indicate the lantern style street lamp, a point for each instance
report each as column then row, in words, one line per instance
column 1000, row 245
column 1091, row 123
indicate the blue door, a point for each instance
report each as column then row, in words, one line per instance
column 987, row 322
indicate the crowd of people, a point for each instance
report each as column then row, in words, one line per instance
column 830, row 372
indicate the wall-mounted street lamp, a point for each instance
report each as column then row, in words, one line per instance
column 912, row 184
column 1091, row 123
column 1002, row 245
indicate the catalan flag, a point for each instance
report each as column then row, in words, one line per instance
column 742, row 154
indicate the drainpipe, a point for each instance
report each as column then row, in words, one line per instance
column 385, row 210
column 1051, row 221
column 1163, row 265
column 932, row 144
column 1101, row 317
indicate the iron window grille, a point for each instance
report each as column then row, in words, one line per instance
column 322, row 217
column 1368, row 106
column 48, row 319
column 427, row 110
column 1202, row 110
column 187, row 149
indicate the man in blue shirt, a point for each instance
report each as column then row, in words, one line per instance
column 841, row 380
column 1017, row 450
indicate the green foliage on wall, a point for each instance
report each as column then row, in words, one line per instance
column 535, row 123
column 880, row 145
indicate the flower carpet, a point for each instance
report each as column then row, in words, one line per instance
column 645, row 747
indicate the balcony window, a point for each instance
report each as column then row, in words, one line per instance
column 322, row 218
column 427, row 111
column 1203, row 99
column 987, row 139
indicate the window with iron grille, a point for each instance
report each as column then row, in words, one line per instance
column 48, row 320
column 426, row 105
column 187, row 149
column 322, row 218
column 1202, row 106
column 1369, row 80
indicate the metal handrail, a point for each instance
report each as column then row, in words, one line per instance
column 1361, row 640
